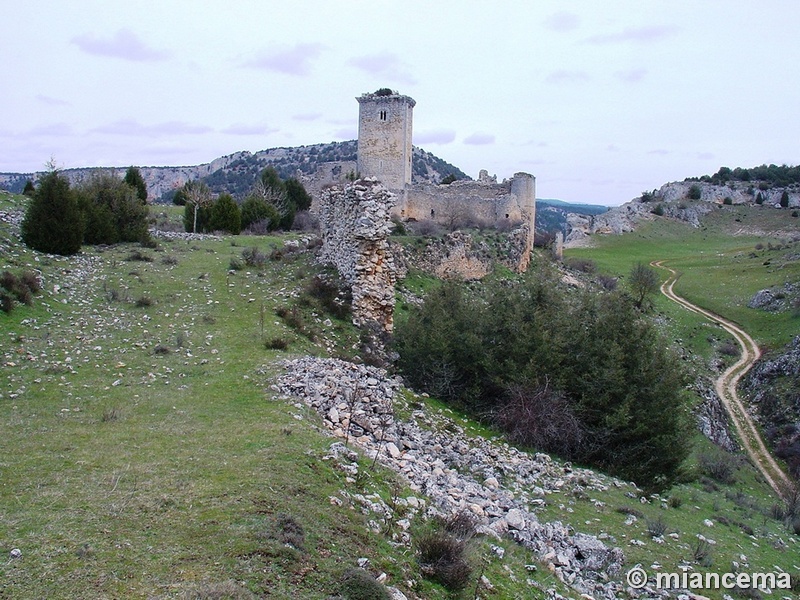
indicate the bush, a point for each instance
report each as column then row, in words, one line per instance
column 658, row 210
column 358, row 584
column 585, row 265
column 542, row 418
column 20, row 289
column 113, row 210
column 656, row 528
column 53, row 221
column 728, row 201
column 719, row 466
column 442, row 557
column 695, row 192
column 253, row 257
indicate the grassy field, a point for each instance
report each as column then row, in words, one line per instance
column 144, row 455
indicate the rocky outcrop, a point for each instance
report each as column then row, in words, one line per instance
column 777, row 299
column 355, row 225
column 686, row 201
column 497, row 483
column 712, row 419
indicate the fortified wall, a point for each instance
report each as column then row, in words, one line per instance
column 355, row 224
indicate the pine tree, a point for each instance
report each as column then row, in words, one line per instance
column 134, row 179
column 225, row 215
column 53, row 222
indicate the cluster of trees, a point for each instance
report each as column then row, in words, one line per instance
column 580, row 374
column 271, row 204
column 100, row 210
column 780, row 176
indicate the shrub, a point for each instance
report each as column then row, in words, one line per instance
column 53, row 221
column 658, row 210
column 113, row 210
column 702, row 553
column 719, row 466
column 277, row 343
column 784, row 202
column 675, row 501
column 442, row 557
column 695, row 192
column 18, row 288
column 728, row 348
column 332, row 296
column 285, row 529
column 542, row 418
column 728, row 201
column 253, row 257
column 585, row 265
column 139, row 256
column 358, row 584
column 144, row 302
column 656, row 528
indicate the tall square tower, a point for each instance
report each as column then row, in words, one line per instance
column 384, row 137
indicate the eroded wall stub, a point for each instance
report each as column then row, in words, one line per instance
column 355, row 225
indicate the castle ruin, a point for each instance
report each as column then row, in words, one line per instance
column 355, row 218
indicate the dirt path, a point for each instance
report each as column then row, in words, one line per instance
column 726, row 389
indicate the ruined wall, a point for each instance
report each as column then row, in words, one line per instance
column 384, row 138
column 492, row 203
column 355, row 224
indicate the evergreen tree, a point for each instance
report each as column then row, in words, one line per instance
column 225, row 215
column 785, row 199
column 53, row 222
column 29, row 188
column 256, row 210
column 133, row 178
column 112, row 209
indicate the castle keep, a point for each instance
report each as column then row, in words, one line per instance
column 384, row 138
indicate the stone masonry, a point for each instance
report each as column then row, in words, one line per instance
column 355, row 224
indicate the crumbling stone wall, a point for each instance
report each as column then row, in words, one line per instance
column 355, row 225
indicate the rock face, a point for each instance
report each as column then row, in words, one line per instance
column 772, row 385
column 672, row 200
column 355, row 225
column 458, row 472
column 712, row 419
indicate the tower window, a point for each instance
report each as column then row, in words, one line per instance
column 383, row 115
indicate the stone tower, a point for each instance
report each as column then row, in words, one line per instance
column 384, row 138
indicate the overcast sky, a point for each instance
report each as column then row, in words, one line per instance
column 599, row 100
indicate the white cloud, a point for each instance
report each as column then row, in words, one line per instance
column 125, row 45
column 479, row 139
column 296, row 60
column 385, row 65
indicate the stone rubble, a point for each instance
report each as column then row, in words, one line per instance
column 492, row 480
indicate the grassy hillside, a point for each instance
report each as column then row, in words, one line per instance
column 723, row 264
column 144, row 454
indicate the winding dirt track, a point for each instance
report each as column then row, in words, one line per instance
column 726, row 389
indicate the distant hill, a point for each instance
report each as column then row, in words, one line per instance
column 551, row 215
column 236, row 173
